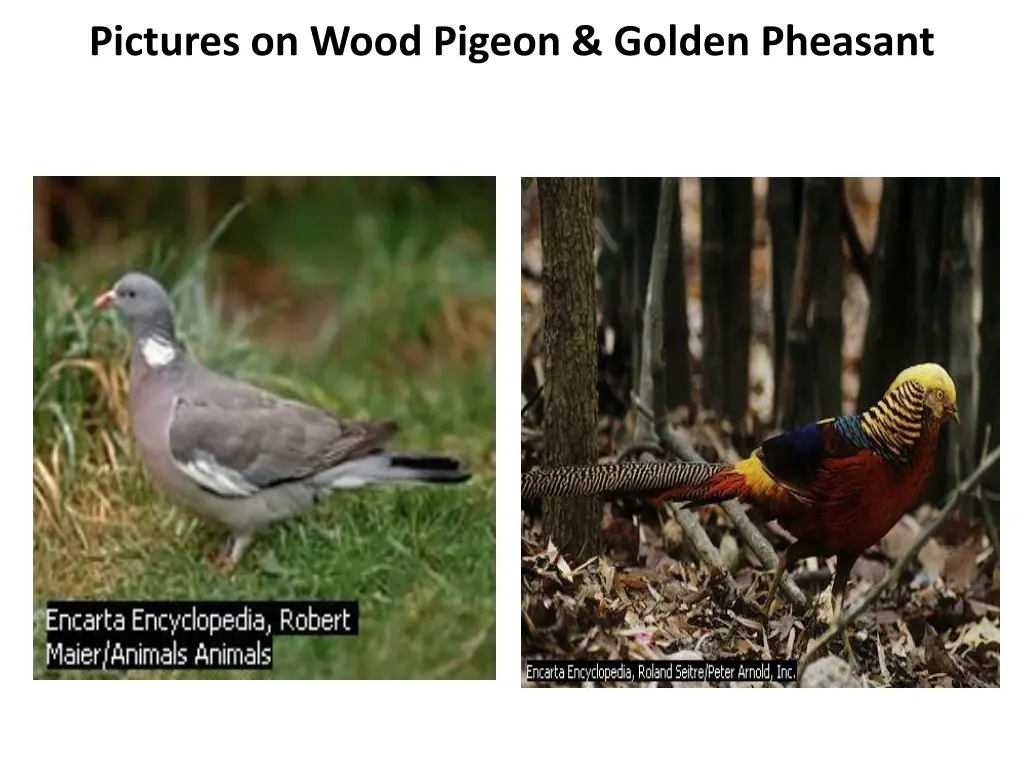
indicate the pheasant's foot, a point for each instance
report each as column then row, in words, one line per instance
column 849, row 651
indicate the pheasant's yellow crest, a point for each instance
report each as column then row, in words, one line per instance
column 929, row 376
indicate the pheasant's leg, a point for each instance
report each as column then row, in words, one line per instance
column 844, row 564
column 795, row 551
column 779, row 570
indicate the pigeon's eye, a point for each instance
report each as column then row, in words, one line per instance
column 131, row 295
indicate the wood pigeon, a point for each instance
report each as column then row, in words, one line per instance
column 236, row 454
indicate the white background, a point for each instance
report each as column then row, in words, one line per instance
column 66, row 112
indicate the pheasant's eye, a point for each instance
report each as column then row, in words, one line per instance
column 940, row 395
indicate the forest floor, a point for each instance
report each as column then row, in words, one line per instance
column 372, row 312
column 648, row 596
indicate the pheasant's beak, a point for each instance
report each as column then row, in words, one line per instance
column 953, row 413
column 104, row 300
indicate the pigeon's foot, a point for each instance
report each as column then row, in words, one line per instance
column 228, row 557
column 223, row 561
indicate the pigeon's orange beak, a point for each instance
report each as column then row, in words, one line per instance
column 104, row 300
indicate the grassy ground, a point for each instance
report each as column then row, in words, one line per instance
column 396, row 324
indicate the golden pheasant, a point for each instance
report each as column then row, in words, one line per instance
column 837, row 486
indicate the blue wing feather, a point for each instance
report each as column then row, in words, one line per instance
column 795, row 457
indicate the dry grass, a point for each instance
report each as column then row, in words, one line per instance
column 81, row 466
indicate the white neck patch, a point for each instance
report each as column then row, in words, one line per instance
column 157, row 352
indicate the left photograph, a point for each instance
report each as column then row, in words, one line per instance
column 264, row 427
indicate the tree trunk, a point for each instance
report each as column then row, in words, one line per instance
column 653, row 365
column 988, row 374
column 570, row 356
column 672, row 333
column 956, row 263
column 712, row 282
column 737, row 210
column 930, row 342
column 825, row 237
column 614, row 261
column 677, row 326
column 890, row 338
column 783, row 237
column 796, row 396
column 643, row 193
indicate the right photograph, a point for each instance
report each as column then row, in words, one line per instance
column 760, row 432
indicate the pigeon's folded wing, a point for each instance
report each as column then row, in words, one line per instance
column 249, row 444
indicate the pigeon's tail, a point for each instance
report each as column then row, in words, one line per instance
column 427, row 468
column 395, row 468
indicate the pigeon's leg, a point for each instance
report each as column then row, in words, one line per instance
column 239, row 545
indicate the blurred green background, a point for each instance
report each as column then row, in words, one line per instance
column 371, row 297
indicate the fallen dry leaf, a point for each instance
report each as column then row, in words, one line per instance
column 981, row 633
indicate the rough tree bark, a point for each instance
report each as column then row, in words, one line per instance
column 988, row 374
column 570, row 356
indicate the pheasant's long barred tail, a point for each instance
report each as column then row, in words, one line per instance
column 645, row 478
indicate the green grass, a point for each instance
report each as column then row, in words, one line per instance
column 403, row 336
